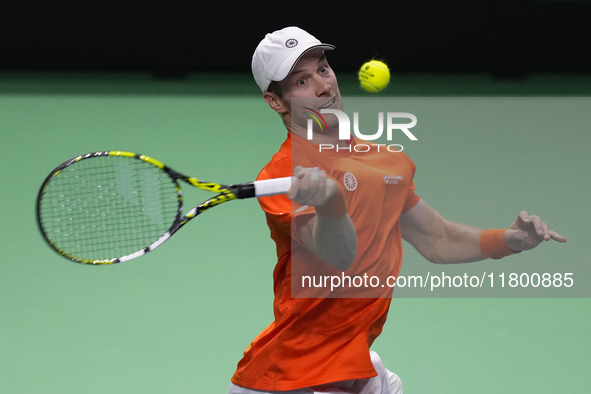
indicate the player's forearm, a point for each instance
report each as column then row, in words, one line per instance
column 330, row 234
column 458, row 243
column 335, row 241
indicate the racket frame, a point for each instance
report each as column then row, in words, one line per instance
column 224, row 194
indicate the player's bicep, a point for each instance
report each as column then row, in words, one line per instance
column 422, row 227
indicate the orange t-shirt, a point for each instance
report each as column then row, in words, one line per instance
column 321, row 336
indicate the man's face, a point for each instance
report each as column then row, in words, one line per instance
column 311, row 84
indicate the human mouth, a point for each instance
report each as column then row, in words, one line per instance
column 328, row 104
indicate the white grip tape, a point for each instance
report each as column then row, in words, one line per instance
column 271, row 187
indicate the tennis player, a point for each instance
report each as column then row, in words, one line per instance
column 340, row 215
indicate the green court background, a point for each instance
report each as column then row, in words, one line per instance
column 178, row 319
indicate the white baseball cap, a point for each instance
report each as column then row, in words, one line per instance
column 278, row 52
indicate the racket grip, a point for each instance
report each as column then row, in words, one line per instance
column 271, row 187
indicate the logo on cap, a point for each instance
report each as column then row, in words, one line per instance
column 292, row 42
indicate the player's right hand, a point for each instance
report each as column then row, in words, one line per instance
column 311, row 187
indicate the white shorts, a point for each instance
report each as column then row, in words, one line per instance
column 385, row 383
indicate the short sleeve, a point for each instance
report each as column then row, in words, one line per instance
column 411, row 198
column 279, row 209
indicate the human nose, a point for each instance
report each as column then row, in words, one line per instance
column 322, row 87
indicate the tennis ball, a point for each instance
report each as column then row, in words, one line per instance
column 374, row 76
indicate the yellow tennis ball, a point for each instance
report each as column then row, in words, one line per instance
column 374, row 76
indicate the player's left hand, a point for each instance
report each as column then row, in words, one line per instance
column 528, row 231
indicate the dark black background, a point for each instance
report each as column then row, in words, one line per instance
column 174, row 38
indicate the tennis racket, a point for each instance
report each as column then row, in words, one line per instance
column 110, row 206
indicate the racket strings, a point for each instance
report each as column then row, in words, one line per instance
column 108, row 207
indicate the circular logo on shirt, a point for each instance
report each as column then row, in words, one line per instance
column 350, row 181
column 292, row 42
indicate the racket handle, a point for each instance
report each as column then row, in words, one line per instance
column 271, row 187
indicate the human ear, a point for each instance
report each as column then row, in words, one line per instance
column 274, row 102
